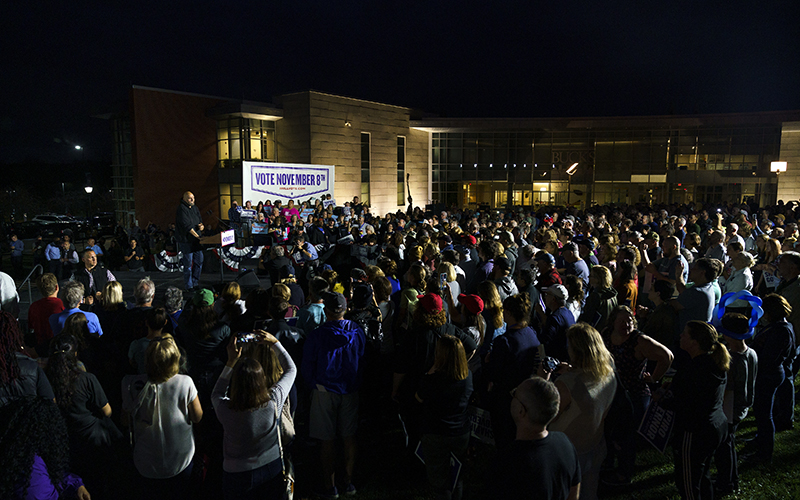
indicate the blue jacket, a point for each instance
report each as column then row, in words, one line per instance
column 332, row 355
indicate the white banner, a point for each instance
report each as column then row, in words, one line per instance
column 285, row 181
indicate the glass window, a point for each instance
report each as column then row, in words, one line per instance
column 401, row 170
column 365, row 166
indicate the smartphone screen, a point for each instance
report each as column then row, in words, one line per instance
column 442, row 280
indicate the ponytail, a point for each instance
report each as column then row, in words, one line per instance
column 709, row 341
column 719, row 353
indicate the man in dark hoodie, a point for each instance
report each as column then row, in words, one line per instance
column 331, row 367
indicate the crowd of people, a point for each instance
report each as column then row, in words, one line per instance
column 563, row 325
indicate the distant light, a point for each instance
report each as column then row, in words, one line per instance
column 88, row 189
column 491, row 165
column 777, row 166
column 476, row 165
column 78, row 147
column 515, row 165
column 572, row 168
column 535, row 165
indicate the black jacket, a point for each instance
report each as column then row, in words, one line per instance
column 186, row 219
column 99, row 278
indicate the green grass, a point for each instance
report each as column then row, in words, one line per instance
column 383, row 471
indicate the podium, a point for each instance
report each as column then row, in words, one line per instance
column 223, row 239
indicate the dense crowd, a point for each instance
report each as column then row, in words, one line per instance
column 563, row 325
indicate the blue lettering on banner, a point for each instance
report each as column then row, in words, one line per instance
column 291, row 180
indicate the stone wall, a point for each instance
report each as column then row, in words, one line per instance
column 789, row 181
column 324, row 129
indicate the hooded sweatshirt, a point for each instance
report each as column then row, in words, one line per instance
column 332, row 355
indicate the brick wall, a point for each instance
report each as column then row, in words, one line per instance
column 174, row 150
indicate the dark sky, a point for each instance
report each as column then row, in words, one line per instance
column 63, row 62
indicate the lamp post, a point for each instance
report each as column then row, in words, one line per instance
column 89, row 190
column 570, row 172
column 777, row 167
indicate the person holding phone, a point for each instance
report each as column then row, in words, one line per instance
column 250, row 417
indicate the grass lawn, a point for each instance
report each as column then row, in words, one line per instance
column 384, row 472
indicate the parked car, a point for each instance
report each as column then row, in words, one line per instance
column 103, row 222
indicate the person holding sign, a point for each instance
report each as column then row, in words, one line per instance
column 188, row 227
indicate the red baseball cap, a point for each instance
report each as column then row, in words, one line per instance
column 473, row 303
column 431, row 302
column 468, row 238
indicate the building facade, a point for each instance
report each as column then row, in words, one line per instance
column 167, row 142
column 669, row 159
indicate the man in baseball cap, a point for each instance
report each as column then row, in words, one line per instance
column 547, row 274
column 331, row 358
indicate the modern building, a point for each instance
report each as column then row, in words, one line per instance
column 166, row 142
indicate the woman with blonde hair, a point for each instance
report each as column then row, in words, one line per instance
column 451, row 283
column 230, row 306
column 492, row 315
column 444, row 393
column 161, row 407
column 415, row 277
column 607, row 255
column 587, row 387
column 601, row 300
column 768, row 265
column 112, row 304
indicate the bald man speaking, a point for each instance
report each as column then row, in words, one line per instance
column 188, row 227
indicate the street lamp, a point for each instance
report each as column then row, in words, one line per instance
column 89, row 190
column 570, row 171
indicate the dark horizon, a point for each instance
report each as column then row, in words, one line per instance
column 452, row 59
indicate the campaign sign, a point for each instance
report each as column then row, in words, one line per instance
column 227, row 238
column 285, row 181
column 480, row 422
column 260, row 228
column 656, row 426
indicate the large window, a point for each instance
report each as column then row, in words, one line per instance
column 244, row 139
column 365, row 166
column 401, row 170
column 228, row 193
column 615, row 165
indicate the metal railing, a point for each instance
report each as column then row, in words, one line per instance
column 37, row 267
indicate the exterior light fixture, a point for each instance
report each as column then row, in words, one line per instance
column 88, row 189
column 777, row 167
column 78, row 147
column 347, row 124
column 572, row 168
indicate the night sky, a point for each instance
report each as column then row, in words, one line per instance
column 61, row 64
